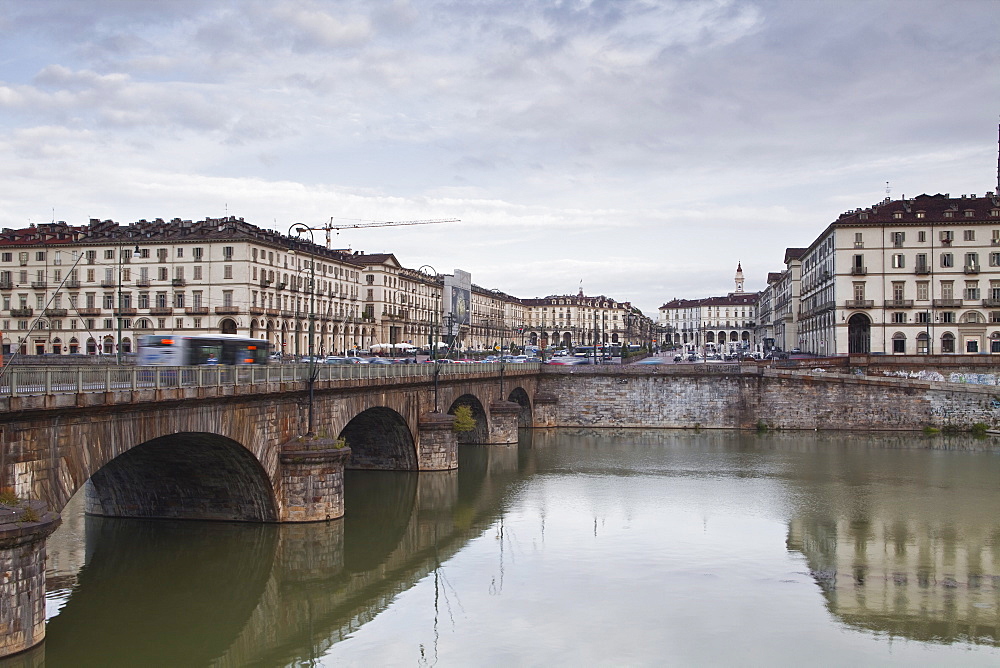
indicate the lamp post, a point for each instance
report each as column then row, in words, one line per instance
column 312, row 318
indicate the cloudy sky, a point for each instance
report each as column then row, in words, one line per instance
column 642, row 147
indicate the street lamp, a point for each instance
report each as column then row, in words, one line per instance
column 313, row 371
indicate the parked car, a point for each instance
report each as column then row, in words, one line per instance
column 677, row 358
column 338, row 360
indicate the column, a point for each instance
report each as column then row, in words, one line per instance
column 312, row 480
column 437, row 445
column 503, row 422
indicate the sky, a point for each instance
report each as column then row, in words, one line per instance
column 635, row 148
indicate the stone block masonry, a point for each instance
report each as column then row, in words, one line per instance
column 776, row 399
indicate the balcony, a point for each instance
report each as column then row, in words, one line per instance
column 196, row 310
column 972, row 268
column 281, row 286
column 89, row 312
column 264, row 282
column 294, row 287
column 178, row 282
column 287, row 314
column 160, row 310
column 6, row 285
column 227, row 310
column 921, row 270
column 859, row 271
column 948, row 303
column 991, row 303
column 142, row 283
column 21, row 312
column 859, row 303
column 995, row 242
column 39, row 285
column 106, row 283
column 256, row 310
column 126, row 311
column 55, row 312
column 71, row 284
column 899, row 303
column 273, row 312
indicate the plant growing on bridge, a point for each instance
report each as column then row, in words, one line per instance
column 463, row 419
column 8, row 498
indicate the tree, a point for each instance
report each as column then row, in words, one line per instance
column 463, row 419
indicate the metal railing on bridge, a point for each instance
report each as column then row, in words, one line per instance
column 26, row 381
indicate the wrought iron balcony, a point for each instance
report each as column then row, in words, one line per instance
column 178, row 282
column 227, row 310
column 859, row 303
column 21, row 312
column 859, row 271
column 160, row 310
column 921, row 270
column 972, row 268
column 899, row 303
column 55, row 312
column 948, row 303
column 196, row 310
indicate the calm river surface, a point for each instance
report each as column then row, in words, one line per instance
column 575, row 548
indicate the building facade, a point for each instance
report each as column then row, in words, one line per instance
column 909, row 276
column 724, row 324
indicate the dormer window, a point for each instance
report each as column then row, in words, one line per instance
column 897, row 215
column 995, row 213
column 949, row 214
column 969, row 213
column 921, row 214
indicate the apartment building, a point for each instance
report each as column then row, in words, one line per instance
column 909, row 276
column 579, row 320
column 722, row 324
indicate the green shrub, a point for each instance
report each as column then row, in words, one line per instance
column 931, row 431
column 463, row 419
column 29, row 515
column 979, row 429
column 8, row 499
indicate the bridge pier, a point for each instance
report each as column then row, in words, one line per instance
column 312, row 480
column 503, row 422
column 437, row 448
column 545, row 409
column 22, row 575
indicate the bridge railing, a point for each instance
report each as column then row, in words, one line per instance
column 25, row 381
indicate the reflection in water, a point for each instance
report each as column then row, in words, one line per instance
column 658, row 534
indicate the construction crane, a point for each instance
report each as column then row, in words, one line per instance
column 329, row 227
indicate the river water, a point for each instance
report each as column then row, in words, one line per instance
column 577, row 548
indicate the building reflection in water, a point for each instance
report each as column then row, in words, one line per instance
column 901, row 543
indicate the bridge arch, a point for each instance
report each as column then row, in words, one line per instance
column 380, row 439
column 184, row 476
column 520, row 397
column 481, row 433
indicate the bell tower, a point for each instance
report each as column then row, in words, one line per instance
column 739, row 278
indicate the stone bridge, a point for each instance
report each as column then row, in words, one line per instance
column 235, row 452
column 240, row 448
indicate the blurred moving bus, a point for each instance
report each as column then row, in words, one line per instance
column 201, row 349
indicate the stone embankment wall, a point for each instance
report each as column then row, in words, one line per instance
column 750, row 398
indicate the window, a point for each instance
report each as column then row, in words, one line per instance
column 995, row 290
column 22, row 258
column 161, row 254
column 898, row 261
column 180, row 251
column 969, row 213
column 198, row 252
column 227, row 297
column 179, row 299
column 972, row 290
column 161, row 300
column 948, row 316
column 858, row 240
column 196, row 323
column 922, row 343
column 972, row 260
column 179, row 273
column 109, row 300
column 972, row 345
column 9, row 257
column 227, row 253
column 947, row 289
column 921, row 214
column 90, row 276
column 144, row 253
column 923, row 290
column 179, row 323
column 109, row 254
column 898, row 290
column 922, row 317
column 995, row 316
column 947, row 236
column 898, row 238
column 161, row 273
column 859, row 291
column 196, row 298
column 995, row 259
column 969, row 235
column 858, row 261
column 143, row 300
column 897, row 215
column 947, row 260
column 898, row 343
column 227, row 271
column 197, row 273
column 922, row 236
column 899, row 317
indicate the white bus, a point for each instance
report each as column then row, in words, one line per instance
column 201, row 349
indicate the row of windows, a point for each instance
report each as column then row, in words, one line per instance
column 946, row 260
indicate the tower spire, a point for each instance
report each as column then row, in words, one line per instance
column 739, row 277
